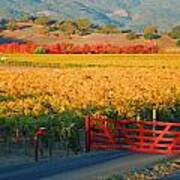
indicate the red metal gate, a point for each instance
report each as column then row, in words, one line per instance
column 144, row 136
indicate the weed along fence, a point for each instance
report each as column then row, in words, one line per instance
column 147, row 137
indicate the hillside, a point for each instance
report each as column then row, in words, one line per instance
column 133, row 14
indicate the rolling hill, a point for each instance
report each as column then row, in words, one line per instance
column 133, row 14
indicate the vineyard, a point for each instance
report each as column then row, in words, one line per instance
column 92, row 60
column 60, row 99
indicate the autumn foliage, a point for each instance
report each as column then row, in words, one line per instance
column 39, row 91
column 18, row 48
column 67, row 48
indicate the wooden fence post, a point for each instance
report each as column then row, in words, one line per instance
column 87, row 134
column 36, row 148
column 154, row 114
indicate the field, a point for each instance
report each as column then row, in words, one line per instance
column 70, row 87
column 126, row 82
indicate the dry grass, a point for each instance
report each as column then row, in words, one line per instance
column 38, row 35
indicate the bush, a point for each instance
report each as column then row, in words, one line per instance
column 150, row 30
column 25, row 18
column 42, row 20
column 126, row 31
column 53, row 28
column 175, row 33
column 85, row 32
column 40, row 50
column 12, row 25
column 178, row 43
column 83, row 26
column 108, row 29
column 68, row 27
column 152, row 36
column 132, row 36
column 3, row 24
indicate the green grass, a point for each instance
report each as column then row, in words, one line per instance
column 61, row 61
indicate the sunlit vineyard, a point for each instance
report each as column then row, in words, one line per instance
column 32, row 92
column 60, row 98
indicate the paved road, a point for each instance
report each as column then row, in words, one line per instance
column 88, row 166
column 175, row 176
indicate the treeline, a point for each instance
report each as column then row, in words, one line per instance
column 80, row 26
column 83, row 26
column 67, row 48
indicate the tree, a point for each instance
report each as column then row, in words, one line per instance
column 108, row 29
column 150, row 30
column 126, row 31
column 25, row 17
column 83, row 26
column 3, row 24
column 175, row 33
column 152, row 36
column 12, row 25
column 53, row 28
column 132, row 36
column 42, row 20
column 40, row 50
column 178, row 43
column 68, row 27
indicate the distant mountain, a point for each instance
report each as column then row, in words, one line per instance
column 133, row 14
